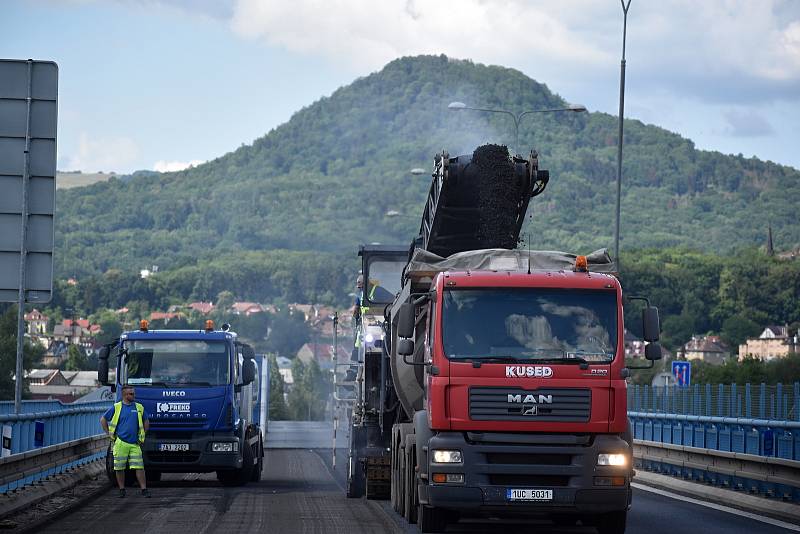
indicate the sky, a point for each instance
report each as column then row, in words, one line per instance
column 163, row 84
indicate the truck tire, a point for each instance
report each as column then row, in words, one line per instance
column 355, row 468
column 394, row 489
column 110, row 465
column 255, row 475
column 355, row 477
column 410, row 480
column 238, row 477
column 430, row 519
column 611, row 523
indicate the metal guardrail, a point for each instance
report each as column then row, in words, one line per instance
column 27, row 431
column 759, row 437
column 769, row 477
column 25, row 468
column 779, row 401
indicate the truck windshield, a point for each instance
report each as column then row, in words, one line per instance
column 176, row 363
column 513, row 324
column 384, row 280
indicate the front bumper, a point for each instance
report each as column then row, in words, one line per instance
column 198, row 459
column 494, row 462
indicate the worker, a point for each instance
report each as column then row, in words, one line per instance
column 126, row 423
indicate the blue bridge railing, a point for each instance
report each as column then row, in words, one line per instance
column 761, row 420
column 44, row 423
column 776, row 402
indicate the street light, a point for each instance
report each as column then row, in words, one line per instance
column 417, row 171
column 625, row 6
column 458, row 106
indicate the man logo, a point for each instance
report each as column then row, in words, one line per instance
column 530, row 399
column 530, row 410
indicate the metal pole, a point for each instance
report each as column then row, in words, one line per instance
column 333, row 384
column 625, row 7
column 19, row 378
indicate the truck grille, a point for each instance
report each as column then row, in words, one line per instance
column 515, row 458
column 529, row 480
column 178, row 422
column 173, row 457
column 518, row 404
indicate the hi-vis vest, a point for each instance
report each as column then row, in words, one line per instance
column 112, row 425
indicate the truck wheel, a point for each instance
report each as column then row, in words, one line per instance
column 611, row 523
column 255, row 476
column 238, row 477
column 110, row 465
column 431, row 519
column 355, row 477
column 410, row 480
column 394, row 492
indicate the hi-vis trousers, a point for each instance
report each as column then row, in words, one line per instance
column 129, row 454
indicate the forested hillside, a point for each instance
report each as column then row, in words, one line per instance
column 325, row 180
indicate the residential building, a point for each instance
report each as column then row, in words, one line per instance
column 710, row 349
column 36, row 322
column 246, row 308
column 634, row 347
column 202, row 307
column 773, row 342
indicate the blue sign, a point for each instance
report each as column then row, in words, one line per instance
column 682, row 372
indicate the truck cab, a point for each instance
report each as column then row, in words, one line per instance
column 200, row 389
column 519, row 405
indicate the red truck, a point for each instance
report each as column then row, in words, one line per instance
column 505, row 393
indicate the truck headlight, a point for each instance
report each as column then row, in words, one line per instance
column 619, row 460
column 224, row 446
column 446, row 457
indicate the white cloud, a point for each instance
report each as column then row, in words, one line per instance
column 102, row 154
column 698, row 49
column 173, row 166
column 367, row 34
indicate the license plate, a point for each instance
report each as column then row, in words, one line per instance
column 529, row 494
column 173, row 447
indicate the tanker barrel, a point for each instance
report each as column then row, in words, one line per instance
column 479, row 201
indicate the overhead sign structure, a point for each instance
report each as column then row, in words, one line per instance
column 683, row 373
column 28, row 117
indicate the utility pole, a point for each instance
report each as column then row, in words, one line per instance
column 625, row 7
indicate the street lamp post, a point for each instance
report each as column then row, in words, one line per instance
column 457, row 106
column 625, row 5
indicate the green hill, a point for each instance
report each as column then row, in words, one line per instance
column 325, row 180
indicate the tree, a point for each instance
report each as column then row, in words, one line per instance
column 309, row 394
column 8, row 353
column 76, row 359
column 288, row 332
column 278, row 410
column 737, row 328
column 110, row 329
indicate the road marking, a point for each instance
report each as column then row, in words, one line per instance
column 720, row 507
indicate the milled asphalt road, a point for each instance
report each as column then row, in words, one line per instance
column 301, row 493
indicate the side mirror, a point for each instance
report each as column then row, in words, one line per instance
column 652, row 351
column 405, row 323
column 651, row 325
column 405, row 347
column 102, row 365
column 247, row 352
column 248, row 371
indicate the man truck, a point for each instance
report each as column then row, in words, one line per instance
column 201, row 391
column 496, row 385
